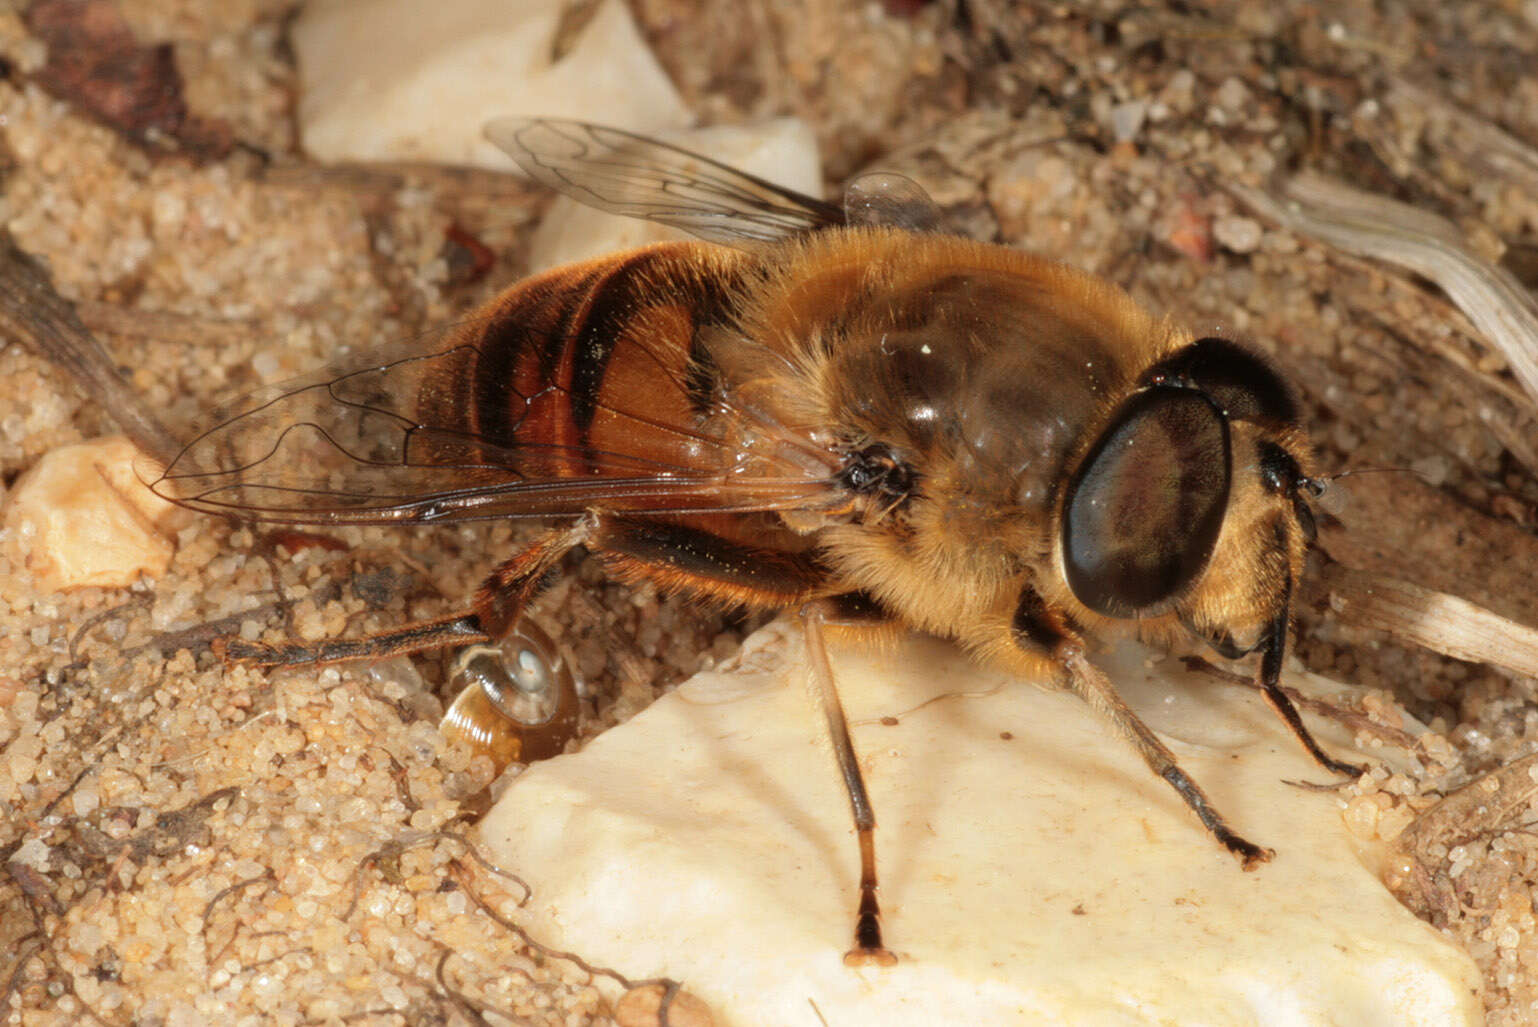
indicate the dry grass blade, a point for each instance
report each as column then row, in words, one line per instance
column 33, row 313
column 1435, row 620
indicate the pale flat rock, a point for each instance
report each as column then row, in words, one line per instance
column 780, row 150
column 81, row 517
column 413, row 81
column 1033, row 871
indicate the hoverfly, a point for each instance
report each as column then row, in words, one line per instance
column 834, row 410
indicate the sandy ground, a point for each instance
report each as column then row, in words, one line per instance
column 184, row 842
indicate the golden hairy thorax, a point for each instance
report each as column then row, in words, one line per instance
column 987, row 366
column 989, row 369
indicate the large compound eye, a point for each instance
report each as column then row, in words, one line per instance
column 1143, row 512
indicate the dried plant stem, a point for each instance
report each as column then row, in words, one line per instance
column 1440, row 622
column 33, row 313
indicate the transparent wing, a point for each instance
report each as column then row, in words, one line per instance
column 638, row 177
column 628, row 174
column 422, row 432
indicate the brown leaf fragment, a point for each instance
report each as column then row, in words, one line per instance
column 35, row 886
column 467, row 257
column 1418, row 866
column 296, row 541
column 174, row 829
column 96, row 63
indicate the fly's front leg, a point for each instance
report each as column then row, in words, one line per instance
column 498, row 604
column 1040, row 629
column 1271, row 688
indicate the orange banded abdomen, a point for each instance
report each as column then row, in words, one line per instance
column 595, row 369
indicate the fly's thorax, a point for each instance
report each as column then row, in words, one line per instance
column 957, row 381
column 988, row 361
column 985, row 379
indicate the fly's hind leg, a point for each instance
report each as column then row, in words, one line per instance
column 676, row 557
column 1037, row 628
column 498, row 604
column 633, row 549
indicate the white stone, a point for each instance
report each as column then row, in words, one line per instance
column 406, row 80
column 1045, row 878
column 1237, row 233
column 81, row 516
column 34, row 853
column 783, row 151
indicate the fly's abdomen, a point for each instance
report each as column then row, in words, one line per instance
column 593, row 370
